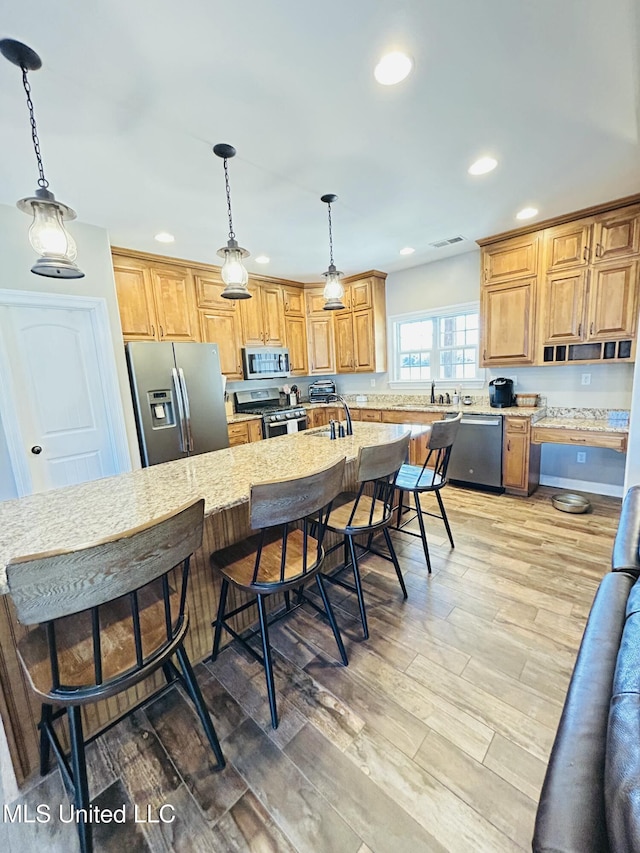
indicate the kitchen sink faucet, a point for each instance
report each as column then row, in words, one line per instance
column 341, row 399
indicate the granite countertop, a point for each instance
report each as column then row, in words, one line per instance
column 77, row 515
column 239, row 418
column 533, row 412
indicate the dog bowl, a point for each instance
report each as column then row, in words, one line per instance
column 571, row 503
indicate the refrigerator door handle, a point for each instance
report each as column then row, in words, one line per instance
column 187, row 410
column 179, row 402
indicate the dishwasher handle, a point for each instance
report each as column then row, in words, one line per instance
column 482, row 421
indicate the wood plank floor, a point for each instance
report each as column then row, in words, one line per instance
column 434, row 738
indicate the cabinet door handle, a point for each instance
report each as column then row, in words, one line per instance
column 508, row 444
column 591, row 329
column 579, row 330
column 161, row 332
column 484, row 355
column 153, row 331
column 585, row 254
column 598, row 250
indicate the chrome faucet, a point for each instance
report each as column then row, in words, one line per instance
column 341, row 399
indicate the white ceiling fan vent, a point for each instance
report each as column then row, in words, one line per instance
column 440, row 244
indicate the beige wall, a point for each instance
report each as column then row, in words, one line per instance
column 94, row 258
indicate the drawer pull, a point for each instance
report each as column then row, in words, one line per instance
column 573, row 438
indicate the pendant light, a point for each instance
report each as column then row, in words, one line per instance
column 333, row 289
column 234, row 273
column 47, row 235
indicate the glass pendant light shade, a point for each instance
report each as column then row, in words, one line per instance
column 233, row 272
column 333, row 290
column 49, row 237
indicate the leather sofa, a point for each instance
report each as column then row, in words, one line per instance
column 590, row 799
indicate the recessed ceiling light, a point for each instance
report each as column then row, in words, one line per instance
column 482, row 166
column 392, row 68
column 527, row 213
column 262, row 259
column 164, row 237
column 407, row 250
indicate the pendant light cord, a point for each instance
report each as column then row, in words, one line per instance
column 330, row 237
column 232, row 235
column 42, row 181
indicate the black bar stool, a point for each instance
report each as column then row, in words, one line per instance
column 284, row 555
column 107, row 618
column 431, row 476
column 361, row 513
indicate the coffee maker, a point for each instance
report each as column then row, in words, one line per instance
column 501, row 393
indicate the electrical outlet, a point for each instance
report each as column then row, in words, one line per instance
column 581, row 456
column 586, row 379
column 373, row 383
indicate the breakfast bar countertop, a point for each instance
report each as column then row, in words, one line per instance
column 76, row 515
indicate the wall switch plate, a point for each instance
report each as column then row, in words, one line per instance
column 373, row 383
column 581, row 456
column 586, row 379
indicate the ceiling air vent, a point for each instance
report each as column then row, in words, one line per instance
column 440, row 244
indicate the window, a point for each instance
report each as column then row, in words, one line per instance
column 440, row 345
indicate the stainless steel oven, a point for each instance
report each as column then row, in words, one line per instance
column 284, row 423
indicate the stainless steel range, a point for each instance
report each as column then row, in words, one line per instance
column 277, row 418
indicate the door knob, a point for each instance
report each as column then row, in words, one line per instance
column 36, row 449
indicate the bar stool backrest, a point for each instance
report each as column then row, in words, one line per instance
column 54, row 584
column 382, row 460
column 304, row 502
column 79, row 594
column 443, row 434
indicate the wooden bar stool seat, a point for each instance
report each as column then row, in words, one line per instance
column 431, row 476
column 360, row 513
column 108, row 615
column 286, row 553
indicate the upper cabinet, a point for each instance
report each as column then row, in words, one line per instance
column 263, row 315
column 360, row 329
column 182, row 301
column 156, row 300
column 564, row 293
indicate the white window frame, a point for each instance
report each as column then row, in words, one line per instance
column 444, row 311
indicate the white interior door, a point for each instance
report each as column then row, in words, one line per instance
column 59, row 412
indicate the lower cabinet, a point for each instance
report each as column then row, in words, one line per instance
column 321, row 415
column 418, row 449
column 520, row 459
column 244, row 432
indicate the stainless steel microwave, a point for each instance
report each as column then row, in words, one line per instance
column 265, row 362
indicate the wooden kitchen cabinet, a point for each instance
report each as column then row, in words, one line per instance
column 156, row 300
column 322, row 359
column 134, row 291
column 511, row 259
column 318, row 416
column 244, row 432
column 508, row 322
column 617, row 235
column 296, row 338
column 223, row 328
column 263, row 315
column 371, row 415
column 360, row 329
column 572, row 282
column 293, row 301
column 520, row 459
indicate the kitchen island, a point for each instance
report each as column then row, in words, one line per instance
column 77, row 515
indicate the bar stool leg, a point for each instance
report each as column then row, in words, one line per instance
column 224, row 589
column 332, row 619
column 423, row 532
column 45, row 744
column 444, row 518
column 268, row 663
column 394, row 560
column 79, row 772
column 400, row 507
column 358, row 581
column 195, row 693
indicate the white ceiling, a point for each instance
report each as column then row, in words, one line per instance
column 133, row 94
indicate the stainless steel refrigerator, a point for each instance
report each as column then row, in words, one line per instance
column 178, row 399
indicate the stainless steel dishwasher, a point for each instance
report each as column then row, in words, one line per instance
column 476, row 457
